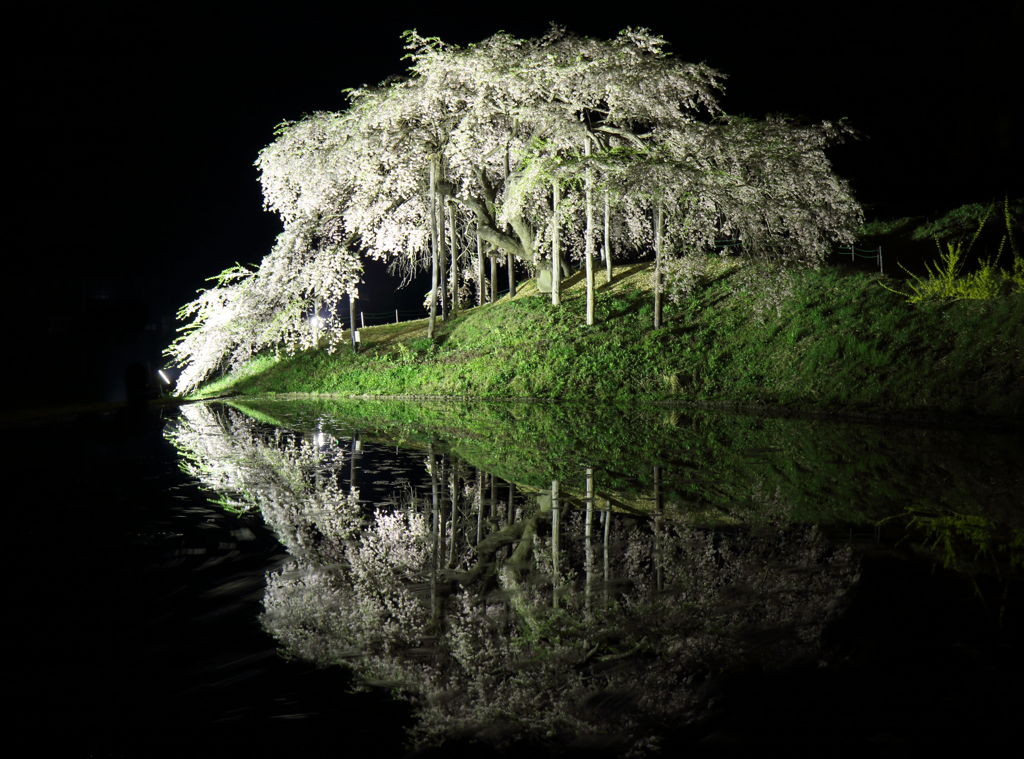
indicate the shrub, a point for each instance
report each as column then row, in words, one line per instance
column 946, row 279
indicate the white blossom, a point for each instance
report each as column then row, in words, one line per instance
column 502, row 120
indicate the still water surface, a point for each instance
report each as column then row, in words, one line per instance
column 433, row 578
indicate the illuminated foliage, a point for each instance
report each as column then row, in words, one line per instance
column 499, row 124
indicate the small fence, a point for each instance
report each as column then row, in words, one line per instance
column 853, row 252
column 396, row 315
column 376, row 318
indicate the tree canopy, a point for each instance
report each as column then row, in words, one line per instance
column 512, row 141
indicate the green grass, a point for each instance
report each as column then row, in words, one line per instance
column 839, row 342
column 716, row 467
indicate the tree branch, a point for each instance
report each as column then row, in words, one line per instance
column 489, row 231
column 485, row 186
column 624, row 134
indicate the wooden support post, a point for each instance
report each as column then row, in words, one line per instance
column 556, row 249
column 479, row 268
column 589, row 245
column 659, row 225
column 433, row 251
column 555, row 540
column 607, row 240
column 352, row 319
column 455, row 256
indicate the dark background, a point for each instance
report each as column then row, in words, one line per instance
column 131, row 140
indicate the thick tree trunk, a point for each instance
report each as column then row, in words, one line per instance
column 556, row 246
column 515, row 239
column 431, row 322
column 590, row 236
column 659, row 231
column 527, row 250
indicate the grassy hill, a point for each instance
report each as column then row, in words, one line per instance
column 831, row 340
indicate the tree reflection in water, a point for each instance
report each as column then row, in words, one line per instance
column 535, row 615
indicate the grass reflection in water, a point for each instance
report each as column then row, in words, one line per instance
column 570, row 588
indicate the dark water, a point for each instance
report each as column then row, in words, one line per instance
column 447, row 579
column 134, row 611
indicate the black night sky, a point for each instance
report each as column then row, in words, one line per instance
column 134, row 131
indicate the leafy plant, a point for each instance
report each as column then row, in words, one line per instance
column 946, row 279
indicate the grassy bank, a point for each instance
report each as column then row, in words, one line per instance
column 837, row 341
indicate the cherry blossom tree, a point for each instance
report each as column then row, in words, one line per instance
column 490, row 127
column 511, row 142
column 504, row 125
